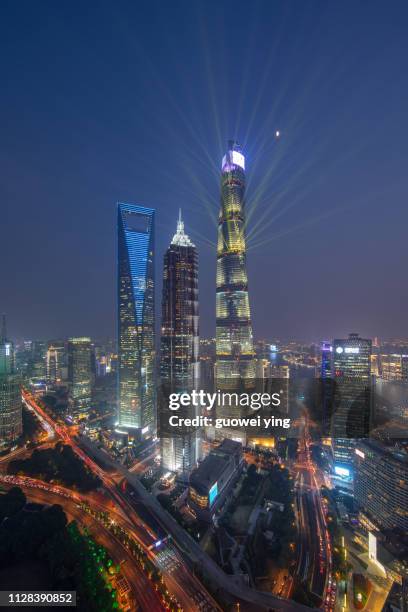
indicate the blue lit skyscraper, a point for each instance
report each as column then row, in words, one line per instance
column 136, row 354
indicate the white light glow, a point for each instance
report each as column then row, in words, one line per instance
column 238, row 159
column 235, row 158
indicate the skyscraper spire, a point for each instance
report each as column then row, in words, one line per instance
column 180, row 238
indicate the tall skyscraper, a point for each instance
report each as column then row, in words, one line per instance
column 11, row 425
column 80, row 376
column 179, row 365
column 135, row 295
column 235, row 361
column 352, row 398
column 326, row 352
column 55, row 361
column 324, row 374
column 38, row 360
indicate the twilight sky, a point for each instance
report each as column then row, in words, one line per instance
column 134, row 101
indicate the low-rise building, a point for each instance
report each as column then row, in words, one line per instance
column 212, row 480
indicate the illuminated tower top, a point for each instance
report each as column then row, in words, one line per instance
column 233, row 158
column 180, row 238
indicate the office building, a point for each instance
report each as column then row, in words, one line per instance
column 11, row 425
column 393, row 367
column 235, row 363
column 80, row 376
column 381, row 484
column 211, row 482
column 56, row 362
column 179, row 365
column 326, row 352
column 38, row 369
column 352, row 399
column 135, row 310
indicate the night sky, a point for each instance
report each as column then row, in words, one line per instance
column 132, row 101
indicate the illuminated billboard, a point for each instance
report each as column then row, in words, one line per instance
column 212, row 495
column 341, row 471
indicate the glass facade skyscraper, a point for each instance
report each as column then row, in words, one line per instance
column 80, row 376
column 381, row 484
column 11, row 425
column 135, row 295
column 55, row 361
column 235, row 349
column 179, row 365
column 352, row 397
column 235, row 361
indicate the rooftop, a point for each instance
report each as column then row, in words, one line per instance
column 180, row 238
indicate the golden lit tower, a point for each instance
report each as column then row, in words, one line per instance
column 235, row 350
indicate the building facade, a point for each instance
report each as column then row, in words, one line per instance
column 11, row 424
column 352, row 398
column 211, row 482
column 381, row 484
column 235, row 354
column 135, row 310
column 56, row 362
column 179, row 365
column 80, row 376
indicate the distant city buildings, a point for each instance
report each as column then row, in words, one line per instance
column 179, row 364
column 393, row 367
column 352, row 398
column 11, row 425
column 80, row 376
column 135, row 301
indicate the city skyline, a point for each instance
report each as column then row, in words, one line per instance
column 204, row 402
column 333, row 181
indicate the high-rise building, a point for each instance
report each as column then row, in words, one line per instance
column 11, row 425
column 80, row 376
column 179, row 365
column 326, row 351
column 352, row 398
column 235, row 361
column 135, row 298
column 55, row 361
column 38, row 368
column 324, row 374
column 381, row 484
